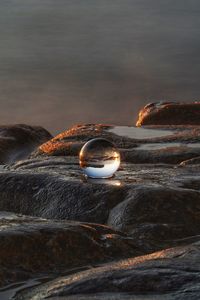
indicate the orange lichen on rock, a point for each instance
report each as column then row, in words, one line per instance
column 61, row 148
column 70, row 141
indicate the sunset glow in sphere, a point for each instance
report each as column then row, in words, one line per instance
column 99, row 158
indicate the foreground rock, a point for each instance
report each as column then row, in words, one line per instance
column 18, row 141
column 31, row 246
column 158, row 217
column 169, row 274
column 57, row 194
column 157, row 205
column 170, row 113
column 155, row 202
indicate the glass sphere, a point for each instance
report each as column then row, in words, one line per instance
column 99, row 158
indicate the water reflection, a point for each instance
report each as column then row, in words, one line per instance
column 140, row 132
column 109, row 181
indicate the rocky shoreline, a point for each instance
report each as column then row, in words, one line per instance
column 134, row 236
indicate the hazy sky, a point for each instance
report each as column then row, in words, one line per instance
column 64, row 62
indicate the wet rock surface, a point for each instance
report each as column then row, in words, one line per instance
column 169, row 113
column 151, row 204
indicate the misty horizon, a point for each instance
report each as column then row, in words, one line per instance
column 68, row 62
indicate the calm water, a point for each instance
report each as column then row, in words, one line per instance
column 70, row 61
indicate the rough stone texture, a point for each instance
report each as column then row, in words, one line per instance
column 18, row 141
column 182, row 143
column 172, row 273
column 158, row 217
column 169, row 113
column 29, row 246
column 52, row 195
column 157, row 205
column 155, row 202
column 70, row 141
column 168, row 155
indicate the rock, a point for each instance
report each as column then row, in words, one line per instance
column 158, row 217
column 152, row 198
column 31, row 246
column 18, row 141
column 69, row 142
column 191, row 161
column 168, row 155
column 169, row 113
column 57, row 195
column 169, row 144
column 155, row 204
column 170, row 274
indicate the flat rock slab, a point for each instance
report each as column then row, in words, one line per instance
column 170, row 274
column 169, row 144
column 31, row 246
column 169, row 113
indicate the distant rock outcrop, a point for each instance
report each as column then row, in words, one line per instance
column 169, row 113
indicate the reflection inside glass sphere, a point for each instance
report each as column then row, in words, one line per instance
column 99, row 158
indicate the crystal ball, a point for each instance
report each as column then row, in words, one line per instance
column 99, row 158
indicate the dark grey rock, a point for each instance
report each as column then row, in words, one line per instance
column 31, row 246
column 170, row 274
column 154, row 201
column 157, row 205
column 158, row 217
column 50, row 195
column 18, row 141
